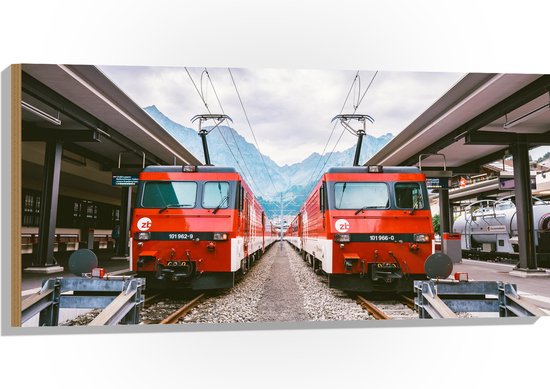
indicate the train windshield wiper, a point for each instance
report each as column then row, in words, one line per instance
column 414, row 208
column 366, row 207
column 342, row 196
column 175, row 206
column 220, row 204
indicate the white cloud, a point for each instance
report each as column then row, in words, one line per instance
column 290, row 110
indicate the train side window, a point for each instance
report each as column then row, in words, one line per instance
column 246, row 214
column 409, row 195
column 241, row 198
column 322, row 198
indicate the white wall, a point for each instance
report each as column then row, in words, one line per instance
column 400, row 35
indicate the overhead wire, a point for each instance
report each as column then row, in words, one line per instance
column 342, row 133
column 336, row 123
column 197, row 89
column 202, row 91
column 332, row 132
column 251, row 130
column 225, row 141
column 366, row 90
column 233, row 136
column 358, row 91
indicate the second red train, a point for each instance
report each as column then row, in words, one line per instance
column 368, row 228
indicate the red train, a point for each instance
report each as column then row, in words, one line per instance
column 196, row 227
column 369, row 228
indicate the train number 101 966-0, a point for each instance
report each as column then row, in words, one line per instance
column 382, row 238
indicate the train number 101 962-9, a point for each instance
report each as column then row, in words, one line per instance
column 180, row 236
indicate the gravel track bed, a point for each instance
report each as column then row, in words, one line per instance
column 160, row 310
column 281, row 299
column 320, row 302
column 396, row 310
column 82, row 320
column 238, row 304
column 280, row 287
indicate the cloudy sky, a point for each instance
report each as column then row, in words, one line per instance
column 290, row 111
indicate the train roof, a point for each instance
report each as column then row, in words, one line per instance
column 179, row 169
column 364, row 169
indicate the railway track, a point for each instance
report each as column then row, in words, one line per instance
column 174, row 317
column 150, row 300
column 398, row 308
column 163, row 309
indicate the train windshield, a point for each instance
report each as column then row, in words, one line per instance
column 216, row 195
column 409, row 195
column 361, row 195
column 169, row 194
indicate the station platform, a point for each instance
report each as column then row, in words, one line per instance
column 535, row 288
column 31, row 282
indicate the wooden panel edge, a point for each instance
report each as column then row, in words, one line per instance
column 16, row 265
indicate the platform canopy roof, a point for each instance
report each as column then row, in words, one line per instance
column 474, row 123
column 94, row 118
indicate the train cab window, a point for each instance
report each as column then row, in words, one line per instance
column 215, row 195
column 361, row 195
column 409, row 195
column 171, row 194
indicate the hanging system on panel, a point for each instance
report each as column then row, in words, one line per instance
column 436, row 179
column 360, row 133
column 440, row 181
column 202, row 132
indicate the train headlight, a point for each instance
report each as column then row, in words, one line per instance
column 143, row 236
column 220, row 235
column 342, row 238
column 374, row 169
column 421, row 238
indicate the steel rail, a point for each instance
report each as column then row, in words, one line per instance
column 151, row 299
column 409, row 302
column 372, row 309
column 173, row 318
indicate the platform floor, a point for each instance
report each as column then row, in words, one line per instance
column 490, row 271
column 536, row 289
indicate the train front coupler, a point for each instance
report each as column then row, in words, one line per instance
column 176, row 270
column 385, row 271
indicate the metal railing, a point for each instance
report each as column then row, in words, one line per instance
column 119, row 297
column 445, row 298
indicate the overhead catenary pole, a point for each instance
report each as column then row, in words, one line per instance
column 281, row 218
